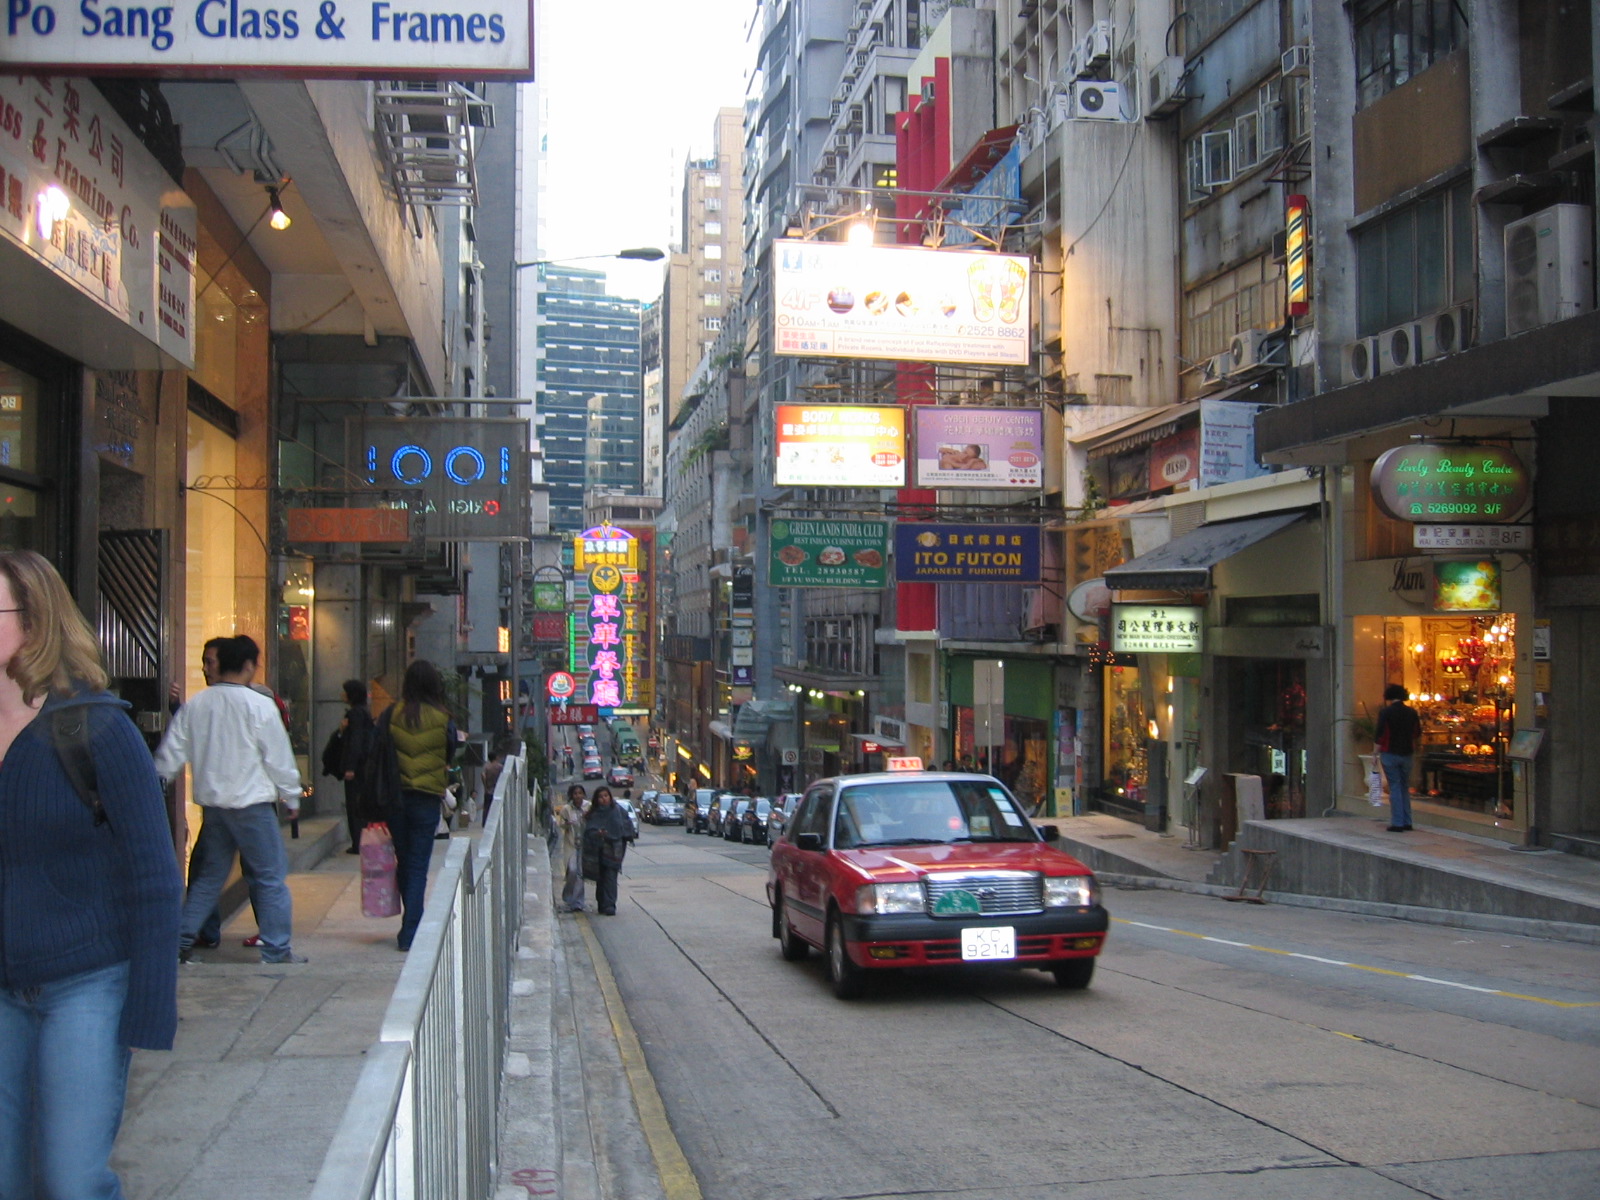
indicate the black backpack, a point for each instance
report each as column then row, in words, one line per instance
column 69, row 733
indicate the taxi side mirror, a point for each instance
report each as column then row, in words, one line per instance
column 1050, row 833
column 808, row 841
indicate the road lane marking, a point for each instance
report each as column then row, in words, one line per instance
column 1337, row 962
column 677, row 1176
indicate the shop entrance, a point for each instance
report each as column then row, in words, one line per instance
column 1268, row 734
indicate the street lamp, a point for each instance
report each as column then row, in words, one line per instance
column 633, row 253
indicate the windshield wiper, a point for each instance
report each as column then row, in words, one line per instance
column 902, row 842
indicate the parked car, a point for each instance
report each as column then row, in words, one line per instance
column 753, row 821
column 647, row 803
column 917, row 869
column 782, row 809
column 717, row 816
column 665, row 808
column 633, row 816
column 620, row 777
column 592, row 768
column 697, row 809
column 733, row 817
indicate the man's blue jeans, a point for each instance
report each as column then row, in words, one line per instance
column 252, row 832
column 412, row 824
column 1397, row 770
column 63, row 1079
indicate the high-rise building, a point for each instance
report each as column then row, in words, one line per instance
column 589, row 390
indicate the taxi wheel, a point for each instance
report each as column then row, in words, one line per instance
column 791, row 947
column 1074, row 974
column 849, row 981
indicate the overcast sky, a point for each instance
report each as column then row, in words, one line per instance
column 633, row 88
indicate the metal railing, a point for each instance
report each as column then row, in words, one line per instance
column 422, row 1121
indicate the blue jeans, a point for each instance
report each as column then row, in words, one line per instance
column 412, row 824
column 252, row 833
column 1397, row 770
column 63, row 1079
column 211, row 928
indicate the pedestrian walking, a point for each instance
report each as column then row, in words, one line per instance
column 89, row 896
column 569, row 815
column 233, row 738
column 1397, row 732
column 356, row 730
column 606, row 834
column 424, row 739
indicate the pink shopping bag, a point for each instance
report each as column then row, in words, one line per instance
column 380, row 897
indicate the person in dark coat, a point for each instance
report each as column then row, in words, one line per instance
column 357, row 728
column 606, row 834
column 1399, row 729
column 88, row 904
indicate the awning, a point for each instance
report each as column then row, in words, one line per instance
column 720, row 729
column 1137, row 431
column 891, row 743
column 1184, row 564
column 754, row 716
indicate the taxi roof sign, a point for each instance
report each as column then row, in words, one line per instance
column 908, row 763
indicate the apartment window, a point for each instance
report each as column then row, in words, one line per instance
column 712, row 299
column 1397, row 40
column 711, row 180
column 713, row 228
column 713, row 274
column 713, row 324
column 712, row 251
column 713, row 203
column 1416, row 261
column 1248, row 297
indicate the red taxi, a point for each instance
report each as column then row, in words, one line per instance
column 928, row 869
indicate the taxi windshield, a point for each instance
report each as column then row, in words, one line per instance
column 927, row 812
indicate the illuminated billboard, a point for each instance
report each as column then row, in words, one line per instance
column 965, row 447
column 836, row 300
column 841, row 445
column 472, row 473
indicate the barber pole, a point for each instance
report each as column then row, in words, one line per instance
column 1297, row 245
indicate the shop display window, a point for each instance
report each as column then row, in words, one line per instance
column 1126, row 732
column 1461, row 672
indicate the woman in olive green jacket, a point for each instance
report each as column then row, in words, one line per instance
column 424, row 739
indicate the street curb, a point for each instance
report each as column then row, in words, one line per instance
column 1558, row 931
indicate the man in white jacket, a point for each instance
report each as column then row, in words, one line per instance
column 243, row 764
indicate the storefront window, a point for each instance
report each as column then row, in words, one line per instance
column 20, row 400
column 1126, row 731
column 294, row 636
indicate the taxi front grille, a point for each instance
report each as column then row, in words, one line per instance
column 996, row 894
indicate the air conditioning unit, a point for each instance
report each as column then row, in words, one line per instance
column 1167, row 90
column 1060, row 108
column 1216, row 368
column 1549, row 267
column 1361, row 359
column 1073, row 69
column 1251, row 348
column 1446, row 332
column 1094, row 51
column 1097, row 102
column 1296, row 60
column 1399, row 347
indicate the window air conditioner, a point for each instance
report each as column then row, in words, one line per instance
column 1549, row 267
column 1251, row 348
column 1361, row 359
column 1296, row 60
column 1446, row 332
column 1097, row 102
column 1167, row 90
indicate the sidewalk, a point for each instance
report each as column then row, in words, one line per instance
column 245, row 1105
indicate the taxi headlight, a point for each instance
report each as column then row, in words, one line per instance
column 879, row 899
column 1070, row 891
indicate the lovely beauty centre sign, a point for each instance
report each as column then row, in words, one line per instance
column 1460, row 483
column 370, row 39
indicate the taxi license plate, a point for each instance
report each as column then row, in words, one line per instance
column 981, row 944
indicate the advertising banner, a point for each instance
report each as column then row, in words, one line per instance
column 317, row 39
column 1175, row 460
column 829, row 553
column 1156, row 628
column 978, row 447
column 836, row 300
column 1451, row 482
column 473, row 473
column 1228, row 442
column 966, row 553
column 841, row 445
column 1468, row 585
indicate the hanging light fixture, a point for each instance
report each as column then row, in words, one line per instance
column 278, row 219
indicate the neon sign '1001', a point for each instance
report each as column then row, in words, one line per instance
column 412, row 465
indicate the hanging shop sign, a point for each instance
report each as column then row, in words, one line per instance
column 836, row 300
column 549, row 595
column 1157, row 628
column 1464, row 482
column 605, row 546
column 841, row 445
column 372, row 39
column 360, row 525
column 1228, row 442
column 1175, row 459
column 1472, row 537
column 561, row 685
column 575, row 714
column 473, row 473
column 966, row 553
column 829, row 553
column 1297, row 250
column 548, row 629
column 978, row 447
column 1468, row 585
column 82, row 197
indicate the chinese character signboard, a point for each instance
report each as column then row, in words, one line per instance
column 979, row 447
column 348, row 524
column 841, row 445
column 833, row 299
column 1467, row 483
column 377, row 39
column 1472, row 537
column 1156, row 628
column 1228, row 442
column 829, row 553
column 966, row 553
column 574, row 714
column 605, row 546
column 473, row 473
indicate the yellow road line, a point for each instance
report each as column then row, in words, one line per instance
column 677, row 1177
column 1335, row 962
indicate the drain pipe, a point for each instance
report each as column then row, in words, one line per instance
column 1333, row 609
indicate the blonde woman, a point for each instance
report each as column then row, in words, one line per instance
column 88, row 899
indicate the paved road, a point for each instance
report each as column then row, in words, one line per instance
column 1224, row 1053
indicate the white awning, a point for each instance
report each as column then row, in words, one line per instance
column 721, row 730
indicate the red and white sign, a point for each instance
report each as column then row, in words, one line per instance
column 1175, row 460
column 561, row 685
